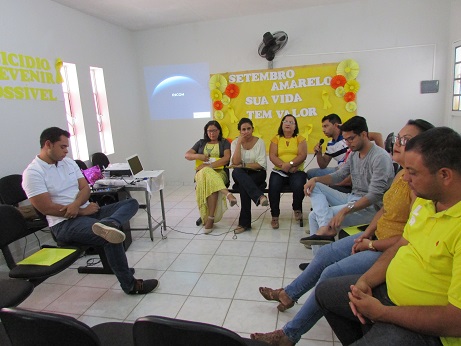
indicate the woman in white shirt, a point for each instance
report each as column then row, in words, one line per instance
column 250, row 163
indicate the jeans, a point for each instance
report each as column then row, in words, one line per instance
column 277, row 182
column 327, row 202
column 249, row 183
column 79, row 230
column 318, row 172
column 332, row 260
column 333, row 300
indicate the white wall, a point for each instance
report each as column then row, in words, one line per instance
column 397, row 44
column 44, row 28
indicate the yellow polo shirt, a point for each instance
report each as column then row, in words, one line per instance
column 427, row 271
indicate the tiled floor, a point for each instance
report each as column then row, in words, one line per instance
column 209, row 278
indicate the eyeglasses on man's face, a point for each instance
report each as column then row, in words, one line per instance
column 288, row 122
column 350, row 138
column 401, row 141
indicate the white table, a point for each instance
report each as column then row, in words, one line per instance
column 148, row 185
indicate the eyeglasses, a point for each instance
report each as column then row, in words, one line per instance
column 402, row 141
column 212, row 131
column 350, row 139
column 288, row 122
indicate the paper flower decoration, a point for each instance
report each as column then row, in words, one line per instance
column 352, row 86
column 216, row 95
column 339, row 91
column 338, row 81
column 348, row 97
column 232, row 91
column 348, row 68
column 219, row 115
column 351, row 106
column 225, row 100
column 218, row 81
column 217, row 105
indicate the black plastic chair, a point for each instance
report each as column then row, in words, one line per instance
column 11, row 193
column 31, row 328
column 81, row 164
column 165, row 331
column 101, row 160
column 12, row 228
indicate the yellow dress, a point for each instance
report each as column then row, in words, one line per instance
column 208, row 181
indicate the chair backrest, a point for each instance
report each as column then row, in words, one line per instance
column 100, row 159
column 13, row 226
column 165, row 331
column 30, row 328
column 11, row 191
column 389, row 143
column 81, row 164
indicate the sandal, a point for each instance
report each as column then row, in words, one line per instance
column 241, row 229
column 275, row 223
column 263, row 201
column 232, row 200
column 270, row 294
column 209, row 224
column 298, row 215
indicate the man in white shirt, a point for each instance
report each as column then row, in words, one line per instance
column 57, row 188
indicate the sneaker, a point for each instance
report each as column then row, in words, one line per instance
column 109, row 231
column 144, row 286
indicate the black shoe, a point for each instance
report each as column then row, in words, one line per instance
column 317, row 240
column 109, row 231
column 144, row 286
column 303, row 266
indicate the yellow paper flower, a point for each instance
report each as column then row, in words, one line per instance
column 352, row 86
column 218, row 81
column 218, row 115
column 225, row 100
column 339, row 91
column 349, row 68
column 351, row 106
column 216, row 95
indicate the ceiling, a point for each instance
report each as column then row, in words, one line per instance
column 148, row 14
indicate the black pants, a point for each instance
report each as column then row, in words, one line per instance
column 249, row 183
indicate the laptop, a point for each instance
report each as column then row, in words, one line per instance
column 136, row 168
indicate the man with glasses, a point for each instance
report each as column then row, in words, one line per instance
column 371, row 171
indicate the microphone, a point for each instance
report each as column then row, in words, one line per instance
column 321, row 141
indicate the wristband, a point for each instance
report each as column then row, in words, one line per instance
column 370, row 246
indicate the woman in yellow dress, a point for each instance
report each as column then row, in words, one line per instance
column 212, row 154
column 287, row 151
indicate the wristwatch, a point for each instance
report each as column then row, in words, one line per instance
column 371, row 247
column 292, row 163
column 350, row 205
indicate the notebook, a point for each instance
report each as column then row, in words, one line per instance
column 136, row 168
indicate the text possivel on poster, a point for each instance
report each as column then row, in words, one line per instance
column 265, row 96
column 24, row 77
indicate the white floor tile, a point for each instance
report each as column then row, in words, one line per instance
column 216, row 286
column 206, row 310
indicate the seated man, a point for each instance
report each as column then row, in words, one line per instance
column 371, row 171
column 411, row 295
column 57, row 188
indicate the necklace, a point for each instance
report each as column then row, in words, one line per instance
column 208, row 150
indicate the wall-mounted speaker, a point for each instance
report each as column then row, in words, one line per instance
column 429, row 86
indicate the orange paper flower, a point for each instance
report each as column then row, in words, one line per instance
column 232, row 90
column 338, row 81
column 348, row 97
column 217, row 105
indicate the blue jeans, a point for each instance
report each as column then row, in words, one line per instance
column 332, row 260
column 277, row 182
column 79, row 230
column 249, row 183
column 327, row 202
column 318, row 172
column 333, row 299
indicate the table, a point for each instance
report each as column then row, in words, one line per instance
column 148, row 185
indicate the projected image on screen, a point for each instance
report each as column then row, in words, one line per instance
column 178, row 91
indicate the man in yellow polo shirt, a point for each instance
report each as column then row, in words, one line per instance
column 412, row 294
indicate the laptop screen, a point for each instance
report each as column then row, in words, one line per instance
column 135, row 164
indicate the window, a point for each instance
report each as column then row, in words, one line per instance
column 456, row 106
column 74, row 113
column 102, row 110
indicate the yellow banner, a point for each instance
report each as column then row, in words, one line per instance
column 265, row 96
